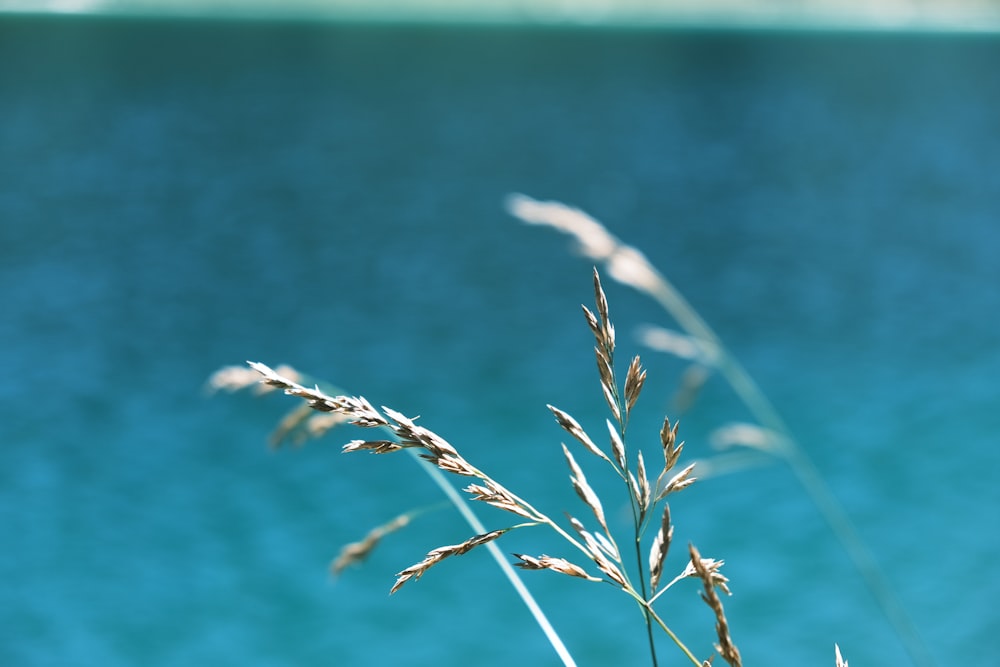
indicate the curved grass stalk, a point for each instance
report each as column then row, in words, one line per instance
column 235, row 378
column 630, row 267
column 508, row 570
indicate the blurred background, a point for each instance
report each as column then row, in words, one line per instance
column 186, row 186
column 965, row 15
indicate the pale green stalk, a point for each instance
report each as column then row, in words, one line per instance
column 529, row 601
column 647, row 607
column 508, row 570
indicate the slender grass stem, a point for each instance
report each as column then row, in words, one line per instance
column 508, row 570
column 645, row 605
column 637, row 513
column 651, row 614
column 470, row 517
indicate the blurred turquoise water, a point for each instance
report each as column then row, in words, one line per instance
column 175, row 197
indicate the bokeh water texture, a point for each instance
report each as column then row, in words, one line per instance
column 178, row 196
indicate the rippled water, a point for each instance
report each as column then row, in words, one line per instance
column 175, row 197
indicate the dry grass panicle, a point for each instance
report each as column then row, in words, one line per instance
column 769, row 439
column 356, row 552
column 599, row 556
column 601, row 546
column 711, row 578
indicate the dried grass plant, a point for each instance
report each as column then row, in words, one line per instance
column 595, row 554
column 634, row 563
column 766, row 440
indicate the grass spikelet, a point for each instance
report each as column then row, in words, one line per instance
column 595, row 326
column 304, row 423
column 584, row 490
column 594, row 241
column 556, row 564
column 494, row 494
column 671, row 450
column 709, row 576
column 742, row 434
column 316, row 426
column 643, row 492
column 598, row 555
column 672, row 342
column 435, row 556
column 617, row 447
column 634, row 380
column 607, row 336
column 608, row 547
column 289, row 424
column 604, row 335
column 235, row 378
column 356, row 552
column 678, row 482
column 610, row 397
column 658, row 550
column 456, row 465
column 573, row 427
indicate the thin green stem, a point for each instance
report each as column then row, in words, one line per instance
column 476, row 525
column 645, row 606
column 650, row 613
column 529, row 601
column 637, row 519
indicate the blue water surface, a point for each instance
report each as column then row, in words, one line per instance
column 180, row 196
